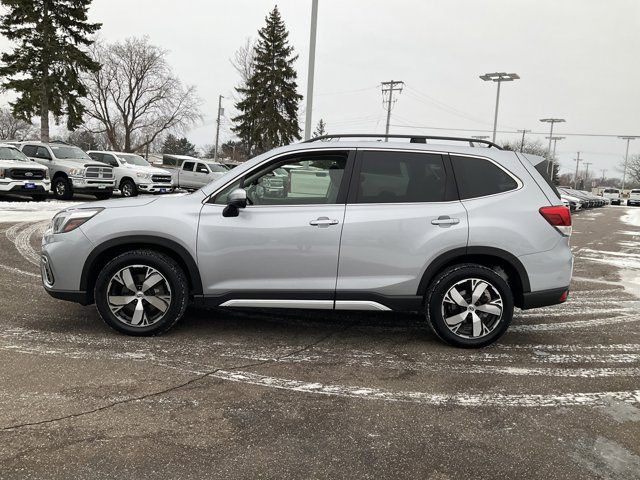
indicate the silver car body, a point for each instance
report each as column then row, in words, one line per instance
column 367, row 256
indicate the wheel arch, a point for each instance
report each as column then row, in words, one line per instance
column 110, row 249
column 59, row 174
column 487, row 256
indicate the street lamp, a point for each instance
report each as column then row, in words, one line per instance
column 555, row 142
column 626, row 157
column 312, row 64
column 552, row 121
column 498, row 77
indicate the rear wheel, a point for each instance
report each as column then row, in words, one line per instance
column 469, row 305
column 61, row 187
column 141, row 293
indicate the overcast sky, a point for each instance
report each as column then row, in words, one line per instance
column 578, row 60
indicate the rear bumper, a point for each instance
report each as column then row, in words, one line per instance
column 70, row 296
column 544, row 298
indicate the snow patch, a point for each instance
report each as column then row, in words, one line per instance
column 11, row 212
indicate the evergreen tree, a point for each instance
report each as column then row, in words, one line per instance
column 178, row 146
column 320, row 129
column 46, row 62
column 269, row 102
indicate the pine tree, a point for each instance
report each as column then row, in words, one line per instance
column 178, row 146
column 320, row 129
column 47, row 60
column 269, row 102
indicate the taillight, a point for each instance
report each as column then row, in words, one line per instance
column 559, row 217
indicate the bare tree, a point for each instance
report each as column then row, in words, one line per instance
column 135, row 97
column 244, row 60
column 12, row 128
column 633, row 170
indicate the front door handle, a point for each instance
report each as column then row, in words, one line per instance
column 323, row 222
column 445, row 220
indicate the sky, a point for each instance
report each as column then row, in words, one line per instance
column 577, row 59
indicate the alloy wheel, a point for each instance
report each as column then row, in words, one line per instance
column 138, row 295
column 472, row 308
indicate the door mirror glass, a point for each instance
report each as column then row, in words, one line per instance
column 236, row 200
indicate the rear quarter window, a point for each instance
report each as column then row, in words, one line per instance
column 478, row 177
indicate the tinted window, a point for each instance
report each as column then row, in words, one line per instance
column 42, row 152
column 188, row 166
column 400, row 177
column 107, row 158
column 202, row 168
column 29, row 150
column 477, row 177
column 96, row 156
column 307, row 179
column 611, row 190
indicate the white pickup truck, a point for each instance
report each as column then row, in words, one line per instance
column 613, row 194
column 194, row 174
column 634, row 198
column 21, row 176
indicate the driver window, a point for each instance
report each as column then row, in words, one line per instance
column 43, row 153
column 202, row 168
column 300, row 180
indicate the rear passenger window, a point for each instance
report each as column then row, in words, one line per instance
column 477, row 177
column 401, row 177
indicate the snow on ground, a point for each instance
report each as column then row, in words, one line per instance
column 632, row 217
column 11, row 212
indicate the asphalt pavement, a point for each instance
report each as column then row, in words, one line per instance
column 291, row 394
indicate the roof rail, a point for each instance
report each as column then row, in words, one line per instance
column 413, row 138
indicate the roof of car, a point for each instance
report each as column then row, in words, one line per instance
column 111, row 151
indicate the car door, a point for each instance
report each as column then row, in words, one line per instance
column 185, row 175
column 283, row 247
column 201, row 175
column 401, row 214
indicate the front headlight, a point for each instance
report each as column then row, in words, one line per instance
column 46, row 174
column 1, row 172
column 69, row 220
column 75, row 172
column 143, row 175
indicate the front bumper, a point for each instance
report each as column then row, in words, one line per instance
column 633, row 202
column 92, row 186
column 155, row 187
column 20, row 186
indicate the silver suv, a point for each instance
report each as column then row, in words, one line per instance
column 460, row 233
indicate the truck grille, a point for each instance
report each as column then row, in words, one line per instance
column 161, row 178
column 99, row 172
column 25, row 174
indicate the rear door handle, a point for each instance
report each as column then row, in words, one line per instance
column 445, row 220
column 323, row 222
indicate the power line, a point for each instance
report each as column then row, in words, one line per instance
column 390, row 87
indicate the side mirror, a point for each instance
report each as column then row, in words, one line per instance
column 236, row 200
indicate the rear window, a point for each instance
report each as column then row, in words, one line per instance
column 611, row 190
column 477, row 177
column 635, row 191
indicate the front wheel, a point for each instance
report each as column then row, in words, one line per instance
column 469, row 305
column 141, row 293
column 128, row 188
column 61, row 187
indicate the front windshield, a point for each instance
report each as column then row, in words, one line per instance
column 133, row 159
column 68, row 152
column 8, row 153
column 217, row 168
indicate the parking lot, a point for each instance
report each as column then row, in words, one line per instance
column 255, row 394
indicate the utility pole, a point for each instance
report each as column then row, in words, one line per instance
column 555, row 143
column 498, row 77
column 524, row 132
column 311, row 71
column 575, row 179
column 586, row 173
column 552, row 121
column 604, row 170
column 220, row 111
column 390, row 87
column 626, row 157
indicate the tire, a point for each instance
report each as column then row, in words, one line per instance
column 465, row 278
column 128, row 188
column 61, row 187
column 41, row 197
column 170, row 291
column 103, row 196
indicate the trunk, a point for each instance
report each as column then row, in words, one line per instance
column 44, row 114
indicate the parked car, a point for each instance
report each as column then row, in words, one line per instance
column 613, row 194
column 634, row 197
column 19, row 175
column 574, row 203
column 587, row 201
column 133, row 174
column 597, row 200
column 458, row 233
column 194, row 174
column 71, row 170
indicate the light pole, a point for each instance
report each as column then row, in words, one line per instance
column 555, row 143
column 498, row 77
column 220, row 112
column 552, row 121
column 626, row 157
column 312, row 65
